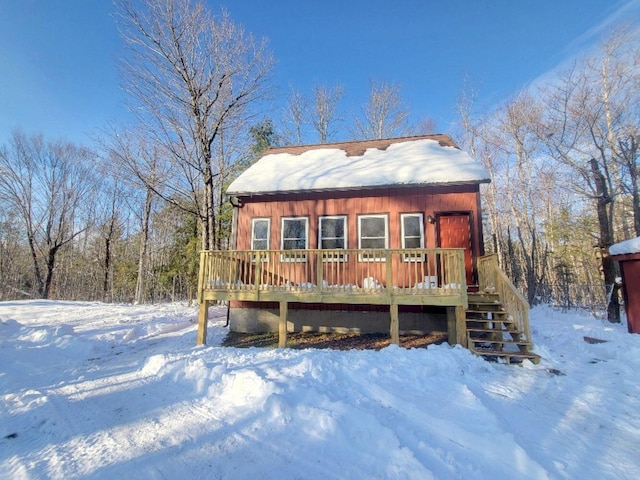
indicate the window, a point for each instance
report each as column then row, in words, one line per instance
column 412, row 232
column 373, row 233
column 260, row 233
column 260, row 230
column 332, row 234
column 294, row 237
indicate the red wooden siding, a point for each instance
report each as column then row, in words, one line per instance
column 392, row 201
column 430, row 201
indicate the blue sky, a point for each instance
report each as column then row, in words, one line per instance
column 58, row 73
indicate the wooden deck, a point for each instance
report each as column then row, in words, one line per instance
column 390, row 277
column 356, row 276
column 404, row 277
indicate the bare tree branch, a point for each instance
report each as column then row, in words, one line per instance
column 384, row 115
column 190, row 74
column 324, row 114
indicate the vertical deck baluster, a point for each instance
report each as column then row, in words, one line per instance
column 245, row 277
column 417, row 265
column 257, row 272
column 368, row 267
column 286, row 279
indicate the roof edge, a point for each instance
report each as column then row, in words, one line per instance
column 355, row 189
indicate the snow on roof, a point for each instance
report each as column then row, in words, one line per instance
column 626, row 247
column 426, row 160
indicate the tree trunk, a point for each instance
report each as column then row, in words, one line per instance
column 140, row 294
column 606, row 240
column 36, row 267
column 219, row 226
column 209, row 242
column 107, row 266
column 106, row 293
column 51, row 262
column 636, row 211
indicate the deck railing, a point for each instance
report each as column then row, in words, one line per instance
column 492, row 278
column 335, row 275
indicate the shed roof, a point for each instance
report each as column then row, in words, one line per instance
column 625, row 248
column 405, row 161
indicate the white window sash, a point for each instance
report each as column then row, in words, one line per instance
column 294, row 258
column 403, row 236
column 334, row 257
column 363, row 258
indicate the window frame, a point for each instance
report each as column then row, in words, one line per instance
column 254, row 257
column 283, row 256
column 253, row 231
column 403, row 237
column 339, row 257
column 385, row 216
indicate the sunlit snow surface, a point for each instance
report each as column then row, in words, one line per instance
column 626, row 247
column 416, row 162
column 89, row 390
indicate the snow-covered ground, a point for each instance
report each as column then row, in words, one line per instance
column 90, row 390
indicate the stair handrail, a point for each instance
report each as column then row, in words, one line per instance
column 492, row 279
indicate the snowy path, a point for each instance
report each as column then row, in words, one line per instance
column 89, row 390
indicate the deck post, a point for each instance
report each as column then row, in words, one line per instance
column 203, row 317
column 203, row 310
column 395, row 324
column 456, row 325
column 282, row 327
column 388, row 271
column 461, row 325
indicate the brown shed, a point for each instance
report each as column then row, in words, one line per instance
column 627, row 254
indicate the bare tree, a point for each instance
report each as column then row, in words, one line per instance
column 425, row 126
column 294, row 117
column 189, row 74
column 110, row 208
column 620, row 79
column 529, row 225
column 518, row 123
column 324, row 113
column 592, row 126
column 232, row 153
column 468, row 125
column 14, row 264
column 564, row 175
column 629, row 149
column 521, row 188
column 472, row 133
column 48, row 184
column 140, row 164
column 384, row 114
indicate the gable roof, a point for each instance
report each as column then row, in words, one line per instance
column 405, row 161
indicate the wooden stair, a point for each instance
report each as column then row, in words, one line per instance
column 492, row 333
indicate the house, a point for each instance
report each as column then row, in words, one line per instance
column 365, row 236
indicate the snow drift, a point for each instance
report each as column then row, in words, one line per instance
column 89, row 390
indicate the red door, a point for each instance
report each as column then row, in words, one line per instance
column 454, row 231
